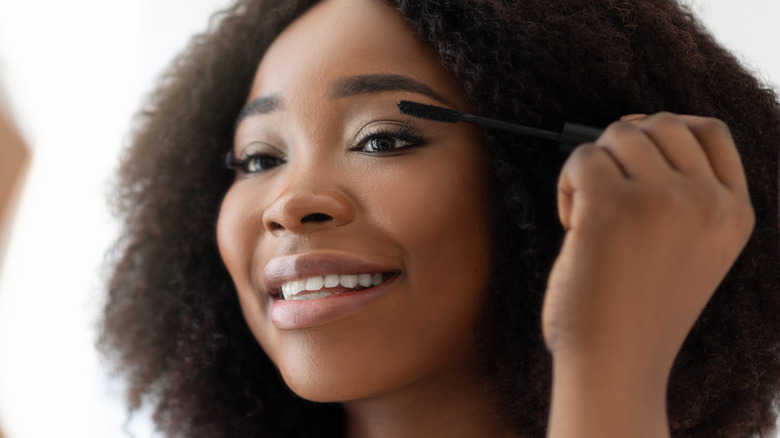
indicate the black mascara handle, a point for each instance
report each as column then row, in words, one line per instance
column 574, row 135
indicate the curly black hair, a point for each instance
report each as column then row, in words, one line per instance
column 172, row 324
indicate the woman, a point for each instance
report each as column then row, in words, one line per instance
column 459, row 327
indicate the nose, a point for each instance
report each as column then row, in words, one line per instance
column 305, row 206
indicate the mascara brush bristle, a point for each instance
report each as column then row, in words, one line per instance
column 429, row 112
column 571, row 136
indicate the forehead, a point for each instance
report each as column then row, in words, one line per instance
column 341, row 38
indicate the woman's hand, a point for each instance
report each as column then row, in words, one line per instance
column 655, row 212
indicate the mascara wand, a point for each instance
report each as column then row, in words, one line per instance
column 572, row 135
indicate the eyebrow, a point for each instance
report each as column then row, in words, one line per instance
column 377, row 83
column 348, row 87
column 261, row 105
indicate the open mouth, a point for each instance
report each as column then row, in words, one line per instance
column 326, row 285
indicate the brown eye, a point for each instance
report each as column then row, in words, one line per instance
column 259, row 163
column 389, row 139
column 254, row 163
column 384, row 144
column 388, row 143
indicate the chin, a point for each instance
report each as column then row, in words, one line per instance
column 330, row 365
column 325, row 385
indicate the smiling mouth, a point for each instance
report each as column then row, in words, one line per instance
column 322, row 286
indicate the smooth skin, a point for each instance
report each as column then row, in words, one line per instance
column 405, row 365
column 656, row 211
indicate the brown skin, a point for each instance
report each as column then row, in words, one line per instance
column 405, row 364
column 202, row 371
column 656, row 213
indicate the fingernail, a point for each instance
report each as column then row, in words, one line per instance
column 632, row 117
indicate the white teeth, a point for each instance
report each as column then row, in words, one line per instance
column 364, row 280
column 297, row 286
column 311, row 296
column 291, row 290
column 349, row 281
column 314, row 283
column 332, row 280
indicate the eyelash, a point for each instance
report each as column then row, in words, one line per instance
column 244, row 165
column 399, row 132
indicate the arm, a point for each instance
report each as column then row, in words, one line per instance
column 655, row 213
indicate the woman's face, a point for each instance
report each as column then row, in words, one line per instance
column 336, row 187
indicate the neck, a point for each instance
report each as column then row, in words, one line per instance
column 451, row 406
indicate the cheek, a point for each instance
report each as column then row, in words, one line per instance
column 238, row 227
column 440, row 216
column 231, row 230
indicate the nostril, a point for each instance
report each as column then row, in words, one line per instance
column 276, row 226
column 316, row 217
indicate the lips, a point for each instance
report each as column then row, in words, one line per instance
column 321, row 286
column 291, row 275
column 317, row 288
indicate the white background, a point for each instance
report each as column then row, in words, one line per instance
column 74, row 72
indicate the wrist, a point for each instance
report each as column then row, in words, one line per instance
column 601, row 395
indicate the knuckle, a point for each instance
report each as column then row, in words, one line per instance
column 663, row 118
column 581, row 161
column 583, row 152
column 666, row 116
column 716, row 125
column 620, row 128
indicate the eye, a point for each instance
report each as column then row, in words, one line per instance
column 259, row 163
column 384, row 144
column 388, row 139
column 254, row 163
